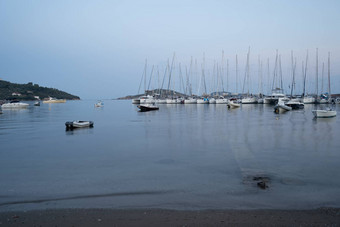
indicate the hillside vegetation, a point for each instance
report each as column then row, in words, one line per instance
column 9, row 91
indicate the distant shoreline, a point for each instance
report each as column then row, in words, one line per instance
column 161, row 217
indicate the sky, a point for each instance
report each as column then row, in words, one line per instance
column 97, row 49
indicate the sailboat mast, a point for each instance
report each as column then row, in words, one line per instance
column 305, row 74
column 329, row 76
column 316, row 73
column 322, row 76
column 146, row 63
column 170, row 72
column 236, row 79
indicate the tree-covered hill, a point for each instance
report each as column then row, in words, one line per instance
column 29, row 91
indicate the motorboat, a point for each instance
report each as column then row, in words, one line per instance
column 295, row 104
column 14, row 105
column 233, row 105
column 78, row 124
column 54, row 100
column 37, row 103
column 147, row 107
column 324, row 113
column 99, row 104
column 281, row 106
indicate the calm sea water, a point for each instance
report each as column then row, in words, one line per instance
column 180, row 157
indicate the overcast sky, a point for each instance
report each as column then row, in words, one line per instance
column 97, row 49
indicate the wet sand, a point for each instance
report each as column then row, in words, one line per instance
column 159, row 217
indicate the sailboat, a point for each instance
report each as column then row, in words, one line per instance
column 249, row 99
column 328, row 112
column 295, row 103
column 306, row 99
column 277, row 92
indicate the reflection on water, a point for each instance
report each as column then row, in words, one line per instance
column 198, row 156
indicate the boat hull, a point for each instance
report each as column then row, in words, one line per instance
column 14, row 105
column 251, row 100
column 324, row 113
column 78, row 124
column 145, row 108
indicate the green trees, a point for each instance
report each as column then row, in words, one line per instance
column 28, row 91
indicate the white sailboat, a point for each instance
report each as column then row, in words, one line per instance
column 249, row 99
column 277, row 88
column 328, row 112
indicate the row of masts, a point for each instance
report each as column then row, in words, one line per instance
column 196, row 74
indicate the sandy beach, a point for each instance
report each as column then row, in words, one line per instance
column 159, row 217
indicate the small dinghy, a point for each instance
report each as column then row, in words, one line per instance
column 324, row 113
column 99, row 104
column 37, row 103
column 147, row 107
column 79, row 124
column 233, row 105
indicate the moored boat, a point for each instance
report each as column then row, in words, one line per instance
column 202, row 101
column 147, row 107
column 54, row 100
column 99, row 104
column 249, row 100
column 14, row 105
column 78, row 124
column 233, row 105
column 295, row 104
column 324, row 113
column 37, row 103
column 281, row 106
column 190, row 100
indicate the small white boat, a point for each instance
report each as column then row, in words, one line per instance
column 324, row 113
column 14, row 105
column 99, row 104
column 281, row 107
column 147, row 107
column 78, row 124
column 37, row 103
column 233, row 105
